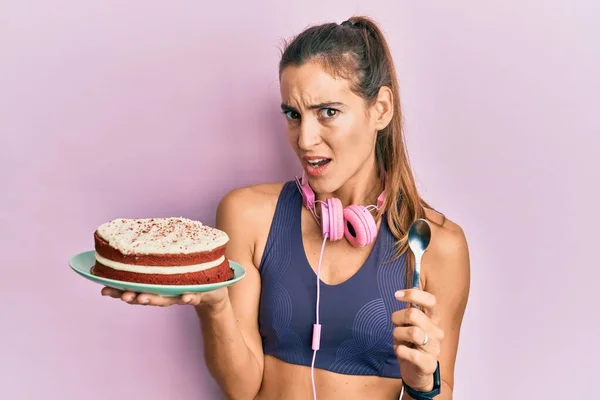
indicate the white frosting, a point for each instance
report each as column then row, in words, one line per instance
column 161, row 236
column 162, row 270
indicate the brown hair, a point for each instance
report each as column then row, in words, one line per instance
column 357, row 49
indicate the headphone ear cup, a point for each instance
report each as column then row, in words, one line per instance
column 335, row 218
column 360, row 228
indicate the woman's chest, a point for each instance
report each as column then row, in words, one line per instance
column 339, row 261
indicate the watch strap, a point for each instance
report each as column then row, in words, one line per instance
column 418, row 395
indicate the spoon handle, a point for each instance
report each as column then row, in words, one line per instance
column 416, row 284
column 417, row 275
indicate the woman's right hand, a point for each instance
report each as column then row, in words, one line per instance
column 210, row 299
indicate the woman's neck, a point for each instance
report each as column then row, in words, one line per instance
column 362, row 188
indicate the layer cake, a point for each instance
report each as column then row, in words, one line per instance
column 166, row 251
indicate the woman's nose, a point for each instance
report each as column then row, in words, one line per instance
column 310, row 134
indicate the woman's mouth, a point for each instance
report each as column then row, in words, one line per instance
column 316, row 166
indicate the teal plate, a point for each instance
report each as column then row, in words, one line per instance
column 82, row 263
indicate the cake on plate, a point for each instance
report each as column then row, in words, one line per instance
column 165, row 251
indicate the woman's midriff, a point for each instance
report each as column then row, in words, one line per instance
column 290, row 382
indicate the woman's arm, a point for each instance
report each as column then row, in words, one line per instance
column 448, row 276
column 232, row 344
column 445, row 283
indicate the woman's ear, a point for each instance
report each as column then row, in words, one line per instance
column 383, row 109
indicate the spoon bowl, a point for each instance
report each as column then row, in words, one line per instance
column 419, row 237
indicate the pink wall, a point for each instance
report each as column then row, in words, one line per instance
column 149, row 108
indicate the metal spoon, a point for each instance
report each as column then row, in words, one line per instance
column 419, row 236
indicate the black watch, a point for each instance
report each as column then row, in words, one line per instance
column 437, row 383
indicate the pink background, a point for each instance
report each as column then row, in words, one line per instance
column 153, row 108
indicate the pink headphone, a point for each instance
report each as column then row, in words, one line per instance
column 354, row 222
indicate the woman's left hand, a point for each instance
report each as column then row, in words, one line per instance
column 417, row 338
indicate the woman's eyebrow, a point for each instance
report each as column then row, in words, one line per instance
column 331, row 104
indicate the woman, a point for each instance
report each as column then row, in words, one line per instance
column 340, row 98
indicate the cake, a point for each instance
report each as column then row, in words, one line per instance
column 166, row 251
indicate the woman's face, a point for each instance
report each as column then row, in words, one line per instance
column 329, row 127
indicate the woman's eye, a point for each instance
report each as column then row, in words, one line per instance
column 328, row 112
column 291, row 115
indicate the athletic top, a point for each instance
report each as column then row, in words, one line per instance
column 355, row 316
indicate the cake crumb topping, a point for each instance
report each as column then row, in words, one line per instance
column 161, row 235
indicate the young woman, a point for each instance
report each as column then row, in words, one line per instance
column 340, row 97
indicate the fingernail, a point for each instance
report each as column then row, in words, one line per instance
column 143, row 301
column 399, row 293
column 187, row 300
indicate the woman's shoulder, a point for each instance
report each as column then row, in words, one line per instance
column 245, row 213
column 253, row 196
column 448, row 253
column 253, row 204
column 448, row 232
